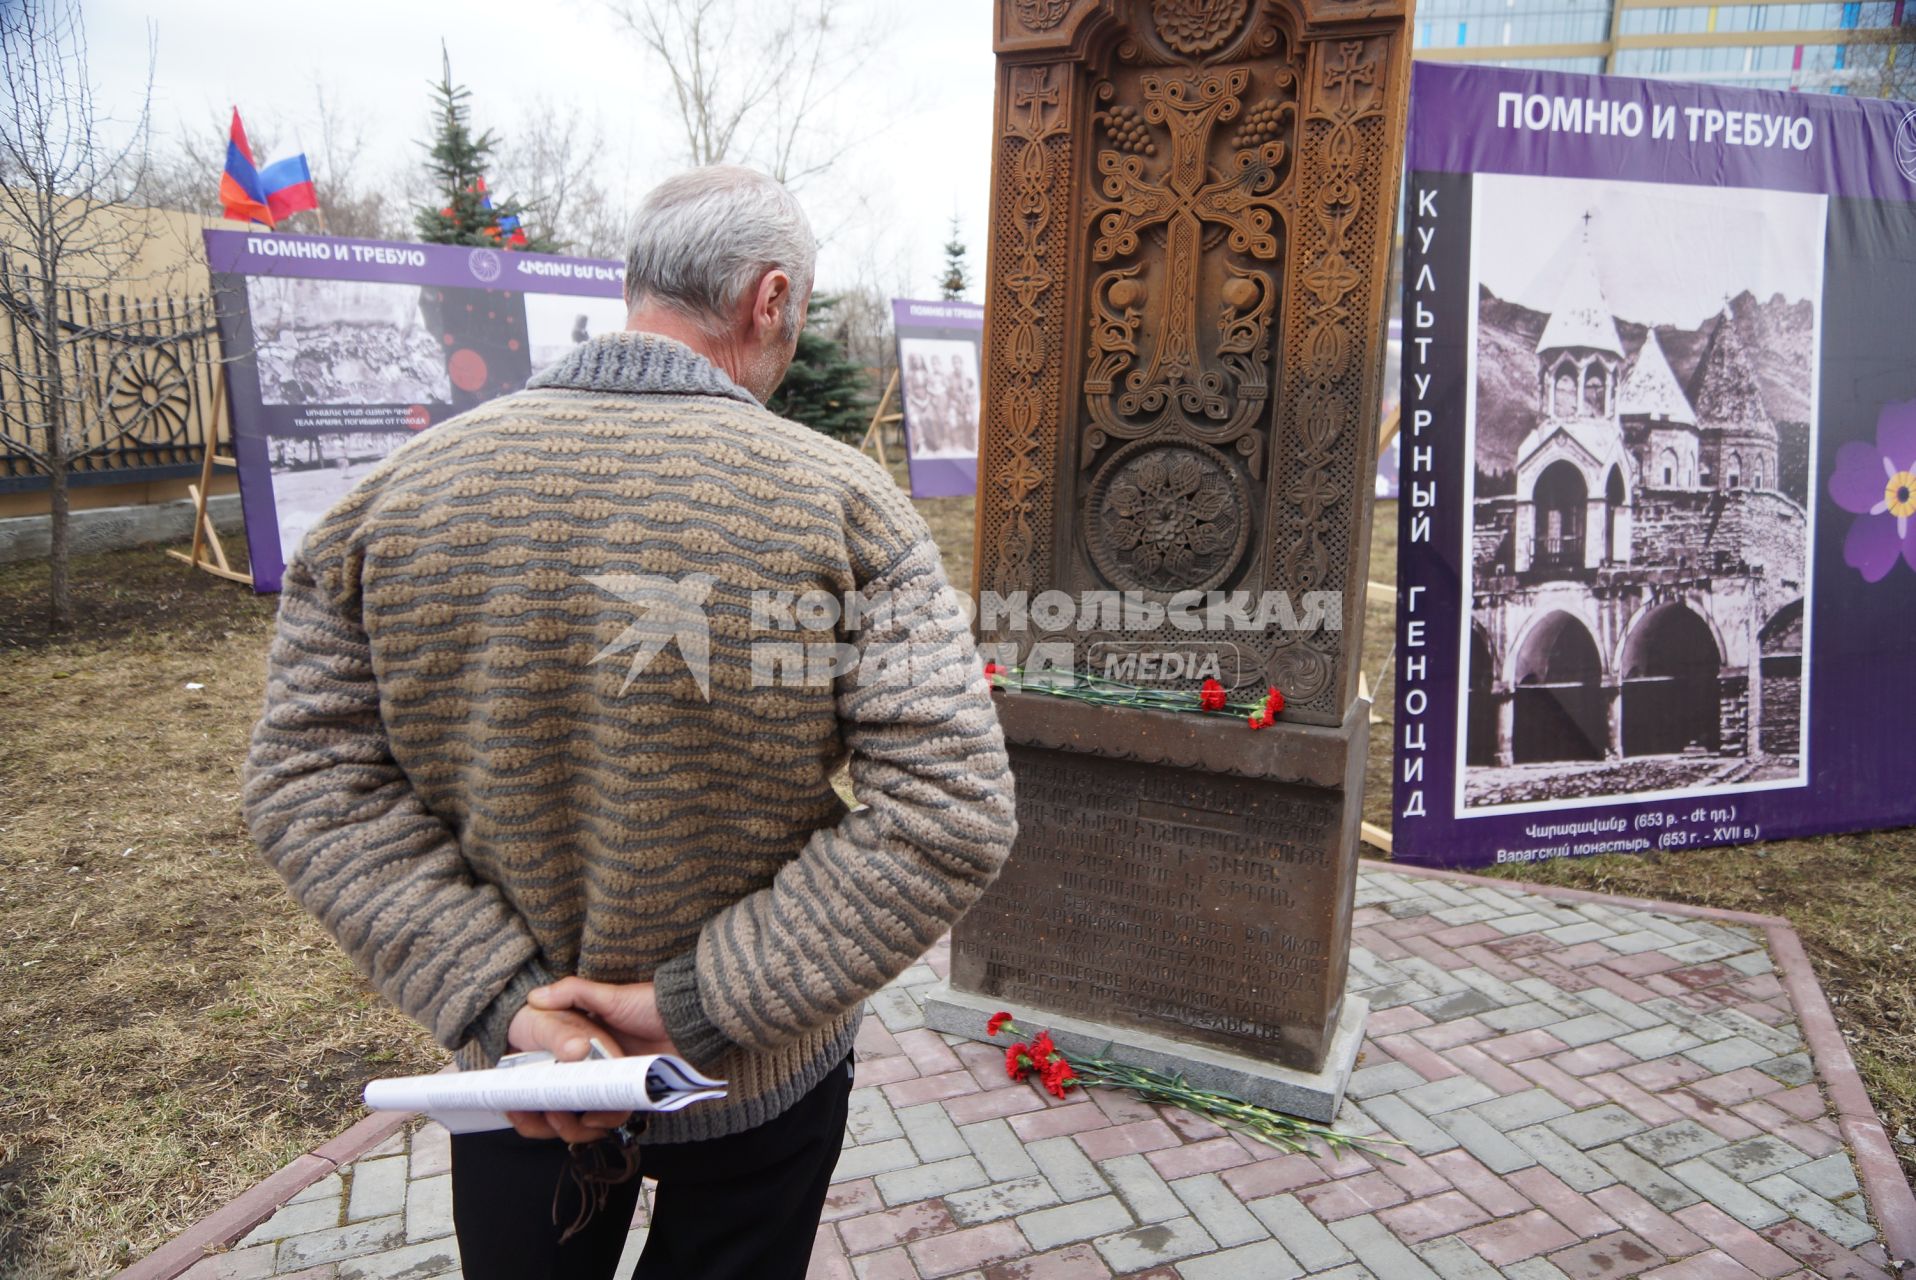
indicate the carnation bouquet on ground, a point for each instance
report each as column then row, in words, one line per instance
column 1038, row 1058
column 1083, row 686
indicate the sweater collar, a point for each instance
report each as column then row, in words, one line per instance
column 639, row 364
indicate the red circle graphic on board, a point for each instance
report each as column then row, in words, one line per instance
column 418, row 418
column 467, row 369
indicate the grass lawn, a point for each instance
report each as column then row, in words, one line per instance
column 176, row 1028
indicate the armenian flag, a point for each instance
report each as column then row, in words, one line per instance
column 242, row 196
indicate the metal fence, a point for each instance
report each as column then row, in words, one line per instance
column 141, row 376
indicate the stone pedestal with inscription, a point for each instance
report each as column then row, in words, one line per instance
column 1192, row 213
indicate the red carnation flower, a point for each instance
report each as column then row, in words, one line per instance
column 998, row 1019
column 1273, row 702
column 1042, row 1049
column 1211, row 696
column 992, row 669
column 1260, row 720
column 1057, row 1077
column 1014, row 1067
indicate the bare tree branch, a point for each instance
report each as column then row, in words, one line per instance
column 553, row 160
column 754, row 81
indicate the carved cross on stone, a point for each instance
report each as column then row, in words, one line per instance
column 1353, row 70
column 1033, row 95
column 1183, row 201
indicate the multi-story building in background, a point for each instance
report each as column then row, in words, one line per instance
column 1765, row 44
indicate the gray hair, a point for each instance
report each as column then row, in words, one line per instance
column 702, row 239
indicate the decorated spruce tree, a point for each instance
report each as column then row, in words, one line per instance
column 956, row 277
column 823, row 389
column 466, row 212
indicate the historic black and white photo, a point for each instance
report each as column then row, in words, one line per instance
column 1642, row 415
column 558, row 322
column 344, row 342
column 312, row 473
column 941, row 396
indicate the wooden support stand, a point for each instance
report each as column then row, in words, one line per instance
column 881, row 418
column 206, row 538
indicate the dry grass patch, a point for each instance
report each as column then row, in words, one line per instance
column 177, row 1028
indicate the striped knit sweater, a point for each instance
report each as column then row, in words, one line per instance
column 454, row 774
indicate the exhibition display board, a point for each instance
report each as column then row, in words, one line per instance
column 938, row 367
column 338, row 351
column 1657, row 556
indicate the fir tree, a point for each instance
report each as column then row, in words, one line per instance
column 457, row 161
column 957, row 276
column 823, row 389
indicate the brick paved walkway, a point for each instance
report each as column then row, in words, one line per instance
column 1585, row 1089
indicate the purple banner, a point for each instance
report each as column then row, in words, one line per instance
column 1657, row 535
column 1497, row 120
column 939, row 348
column 267, row 253
column 339, row 351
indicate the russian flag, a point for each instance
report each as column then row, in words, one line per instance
column 289, row 187
column 241, row 194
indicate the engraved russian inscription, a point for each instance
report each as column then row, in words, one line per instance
column 1163, row 898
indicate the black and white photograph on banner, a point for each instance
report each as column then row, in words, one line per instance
column 941, row 396
column 321, row 342
column 1643, row 404
column 312, row 473
column 558, row 322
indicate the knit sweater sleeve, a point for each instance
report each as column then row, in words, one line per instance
column 335, row 815
column 867, row 897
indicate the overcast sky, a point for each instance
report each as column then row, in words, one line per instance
column 1666, row 254
column 885, row 210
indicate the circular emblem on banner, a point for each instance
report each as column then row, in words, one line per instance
column 1906, row 146
column 485, row 265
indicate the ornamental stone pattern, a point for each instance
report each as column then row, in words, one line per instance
column 1582, row 1090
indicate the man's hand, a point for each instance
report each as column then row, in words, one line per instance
column 568, row 1037
column 630, row 1009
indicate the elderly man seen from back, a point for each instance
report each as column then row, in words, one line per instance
column 533, row 814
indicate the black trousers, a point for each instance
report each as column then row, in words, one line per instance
column 744, row 1207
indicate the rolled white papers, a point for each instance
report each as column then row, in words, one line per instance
column 469, row 1101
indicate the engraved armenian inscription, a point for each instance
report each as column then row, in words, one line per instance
column 1163, row 898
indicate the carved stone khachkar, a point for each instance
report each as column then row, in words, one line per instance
column 1192, row 216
